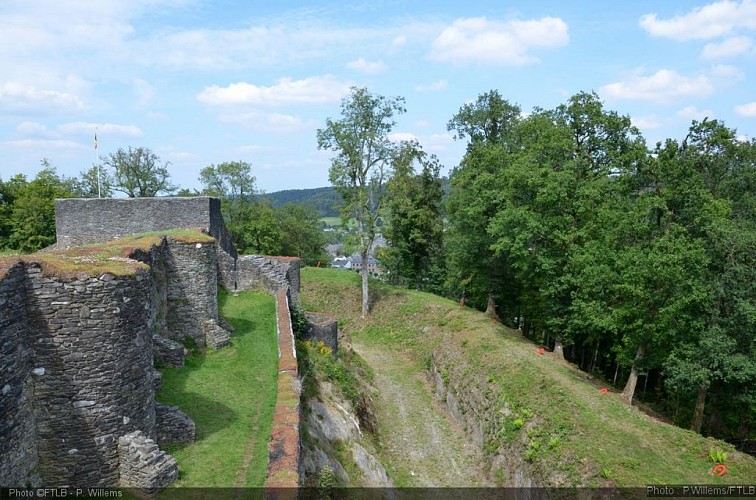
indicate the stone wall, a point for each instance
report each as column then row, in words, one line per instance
column 270, row 274
column 186, row 282
column 284, row 449
column 85, row 350
column 77, row 389
column 143, row 466
column 18, row 435
column 323, row 328
column 81, row 221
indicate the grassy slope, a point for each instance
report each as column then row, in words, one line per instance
column 230, row 394
column 597, row 439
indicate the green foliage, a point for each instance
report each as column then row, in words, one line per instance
column 302, row 234
column 139, row 173
column 27, row 209
column 364, row 156
column 717, row 456
column 414, row 220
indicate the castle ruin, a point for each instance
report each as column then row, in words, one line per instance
column 81, row 328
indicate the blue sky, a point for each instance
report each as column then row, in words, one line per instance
column 206, row 81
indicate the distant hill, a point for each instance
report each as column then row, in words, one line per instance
column 324, row 199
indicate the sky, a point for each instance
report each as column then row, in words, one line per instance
column 201, row 82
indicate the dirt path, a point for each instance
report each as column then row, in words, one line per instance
column 421, row 445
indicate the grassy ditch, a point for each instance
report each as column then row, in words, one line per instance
column 231, row 395
column 541, row 414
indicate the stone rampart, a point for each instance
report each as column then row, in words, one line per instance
column 18, row 429
column 82, row 221
column 85, row 347
column 77, row 381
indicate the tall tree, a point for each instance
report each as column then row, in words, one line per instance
column 488, row 123
column 139, row 173
column 234, row 184
column 362, row 165
column 414, row 219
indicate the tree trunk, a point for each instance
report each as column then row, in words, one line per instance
column 629, row 391
column 491, row 306
column 595, row 355
column 558, row 350
column 364, row 275
column 698, row 413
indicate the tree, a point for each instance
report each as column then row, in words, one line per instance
column 260, row 231
column 234, row 184
column 301, row 233
column 139, row 173
column 363, row 162
column 488, row 123
column 96, row 182
column 414, row 228
column 32, row 212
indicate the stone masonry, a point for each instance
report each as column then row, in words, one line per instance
column 77, row 382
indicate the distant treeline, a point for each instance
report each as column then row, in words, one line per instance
column 325, row 200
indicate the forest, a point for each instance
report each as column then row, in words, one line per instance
column 634, row 262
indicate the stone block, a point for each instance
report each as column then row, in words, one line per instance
column 173, row 425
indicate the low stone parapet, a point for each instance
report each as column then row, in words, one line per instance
column 173, row 425
column 284, row 449
column 143, row 466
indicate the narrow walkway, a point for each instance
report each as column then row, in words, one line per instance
column 421, row 445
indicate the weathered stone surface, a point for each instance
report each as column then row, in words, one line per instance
column 143, row 466
column 168, row 352
column 173, row 426
column 323, row 328
column 372, row 469
column 77, row 354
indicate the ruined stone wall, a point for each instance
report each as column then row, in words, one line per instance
column 18, row 436
column 85, row 359
column 81, row 221
column 186, row 282
column 270, row 274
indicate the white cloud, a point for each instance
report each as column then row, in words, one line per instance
column 710, row 21
column 100, row 128
column 313, row 90
column 508, row 43
column 747, row 110
column 269, row 122
column 693, row 113
column 399, row 40
column 731, row 47
column 646, row 122
column 662, row 86
column 43, row 144
column 436, row 86
column 402, row 137
column 18, row 97
column 368, row 67
column 32, row 128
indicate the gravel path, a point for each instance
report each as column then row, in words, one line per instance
column 421, row 445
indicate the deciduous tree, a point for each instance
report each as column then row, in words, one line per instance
column 363, row 161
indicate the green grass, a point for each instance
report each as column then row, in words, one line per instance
column 601, row 441
column 231, row 395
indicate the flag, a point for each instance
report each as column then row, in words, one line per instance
column 95, row 141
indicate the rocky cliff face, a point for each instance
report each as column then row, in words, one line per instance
column 336, row 443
